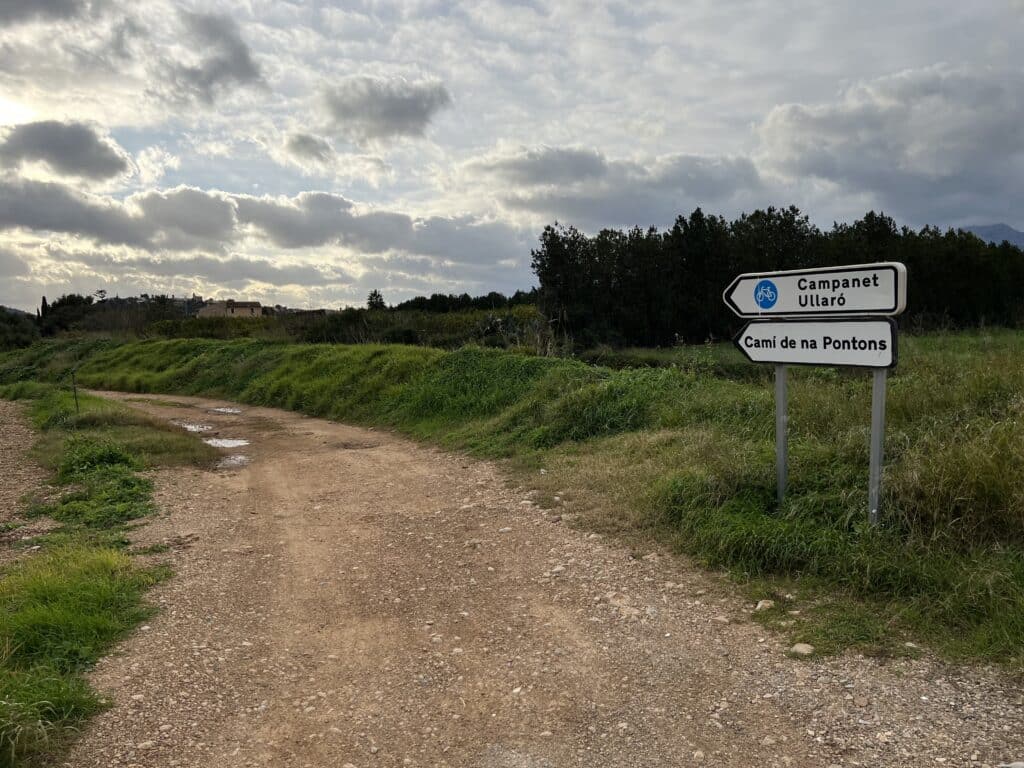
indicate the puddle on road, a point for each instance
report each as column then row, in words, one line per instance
column 225, row 442
column 233, row 461
column 354, row 445
column 192, row 426
column 223, row 409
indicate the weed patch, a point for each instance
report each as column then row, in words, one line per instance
column 678, row 445
column 63, row 607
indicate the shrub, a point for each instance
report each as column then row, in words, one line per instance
column 83, row 455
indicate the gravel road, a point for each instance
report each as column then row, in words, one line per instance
column 344, row 597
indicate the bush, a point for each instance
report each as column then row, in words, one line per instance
column 83, row 455
column 16, row 330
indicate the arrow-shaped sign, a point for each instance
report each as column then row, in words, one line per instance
column 862, row 289
column 861, row 343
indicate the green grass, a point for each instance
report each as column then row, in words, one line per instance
column 678, row 446
column 62, row 608
column 59, row 611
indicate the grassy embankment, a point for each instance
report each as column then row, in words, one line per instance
column 684, row 454
column 64, row 605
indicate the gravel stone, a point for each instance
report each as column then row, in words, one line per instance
column 344, row 552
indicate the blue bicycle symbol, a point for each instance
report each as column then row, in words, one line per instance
column 766, row 294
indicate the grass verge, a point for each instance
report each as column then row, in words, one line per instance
column 64, row 606
column 682, row 453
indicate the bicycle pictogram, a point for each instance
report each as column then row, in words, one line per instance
column 766, row 294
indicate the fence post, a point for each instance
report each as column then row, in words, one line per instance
column 74, row 388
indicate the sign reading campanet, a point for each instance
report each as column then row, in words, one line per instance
column 860, row 289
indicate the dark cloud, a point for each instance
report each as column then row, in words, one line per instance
column 464, row 240
column 310, row 219
column 179, row 219
column 933, row 144
column 72, row 149
column 186, row 217
column 318, row 218
column 48, row 207
column 227, row 60
column 189, row 219
column 229, row 271
column 366, row 108
column 17, row 11
column 629, row 193
column 308, row 147
column 545, row 165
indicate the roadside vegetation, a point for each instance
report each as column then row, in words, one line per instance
column 683, row 453
column 63, row 605
column 441, row 320
column 16, row 329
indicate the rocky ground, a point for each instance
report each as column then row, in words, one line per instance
column 347, row 598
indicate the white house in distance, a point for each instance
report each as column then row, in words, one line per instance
column 231, row 308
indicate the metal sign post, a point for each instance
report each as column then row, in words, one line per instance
column 836, row 316
column 781, row 432
column 877, row 443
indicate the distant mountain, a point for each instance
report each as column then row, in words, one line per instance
column 996, row 233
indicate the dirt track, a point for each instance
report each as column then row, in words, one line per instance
column 20, row 475
column 350, row 598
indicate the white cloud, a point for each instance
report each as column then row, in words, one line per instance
column 153, row 163
column 440, row 136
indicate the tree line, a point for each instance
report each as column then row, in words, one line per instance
column 442, row 320
column 643, row 287
column 450, row 302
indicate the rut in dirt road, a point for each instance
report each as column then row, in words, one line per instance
column 344, row 597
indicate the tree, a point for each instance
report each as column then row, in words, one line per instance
column 66, row 312
column 375, row 300
column 16, row 329
column 643, row 288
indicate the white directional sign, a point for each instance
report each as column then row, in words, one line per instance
column 828, row 333
column 862, row 289
column 865, row 343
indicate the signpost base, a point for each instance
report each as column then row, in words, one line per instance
column 877, row 443
column 781, row 431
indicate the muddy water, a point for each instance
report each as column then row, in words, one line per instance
column 192, row 426
column 225, row 442
column 233, row 461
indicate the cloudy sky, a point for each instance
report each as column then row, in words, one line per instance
column 306, row 152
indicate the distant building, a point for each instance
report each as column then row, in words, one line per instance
column 231, row 308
